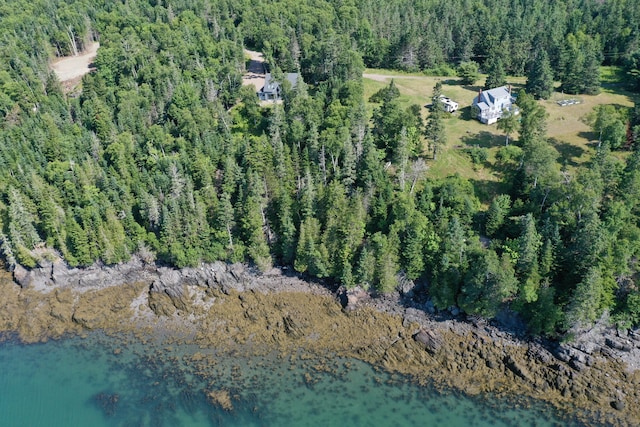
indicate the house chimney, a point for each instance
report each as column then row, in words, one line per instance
column 479, row 94
column 509, row 89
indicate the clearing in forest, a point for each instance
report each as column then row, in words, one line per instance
column 70, row 69
column 255, row 74
column 566, row 127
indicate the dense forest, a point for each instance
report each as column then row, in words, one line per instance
column 163, row 152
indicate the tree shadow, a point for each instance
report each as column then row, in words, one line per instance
column 472, row 88
column 465, row 113
column 591, row 137
column 486, row 190
column 568, row 152
column 483, row 139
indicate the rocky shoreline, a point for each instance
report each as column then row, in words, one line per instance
column 596, row 376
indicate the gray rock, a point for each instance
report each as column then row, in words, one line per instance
column 432, row 341
column 292, row 327
column 429, row 307
column 618, row 345
column 561, row 353
column 577, row 365
column 172, row 284
column 21, row 276
column 406, row 287
column 618, row 405
column 517, row 368
column 356, row 297
column 540, row 354
column 411, row 315
column 61, row 275
column 226, row 277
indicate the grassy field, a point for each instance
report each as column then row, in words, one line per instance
column 567, row 130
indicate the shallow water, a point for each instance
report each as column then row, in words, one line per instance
column 116, row 381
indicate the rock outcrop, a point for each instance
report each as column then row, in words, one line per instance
column 221, row 305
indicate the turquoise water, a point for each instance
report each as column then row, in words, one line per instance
column 111, row 381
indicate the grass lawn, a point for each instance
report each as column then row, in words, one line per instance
column 566, row 128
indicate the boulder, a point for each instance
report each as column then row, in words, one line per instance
column 292, row 327
column 171, row 286
column 618, row 345
column 618, row 405
column 431, row 340
column 355, row 298
column 517, row 368
column 406, row 287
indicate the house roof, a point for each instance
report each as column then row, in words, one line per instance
column 272, row 86
column 488, row 98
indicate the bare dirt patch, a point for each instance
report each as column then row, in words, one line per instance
column 255, row 74
column 70, row 69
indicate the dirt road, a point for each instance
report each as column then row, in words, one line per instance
column 385, row 77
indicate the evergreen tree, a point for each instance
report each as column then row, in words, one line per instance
column 494, row 68
column 434, row 130
column 468, row 72
column 540, row 76
column 488, row 282
column 450, row 264
column 587, row 301
column 580, row 59
column 533, row 119
column 527, row 267
column 497, row 213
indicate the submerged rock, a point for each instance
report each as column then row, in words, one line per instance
column 108, row 402
column 220, row 398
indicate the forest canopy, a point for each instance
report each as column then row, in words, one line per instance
column 164, row 153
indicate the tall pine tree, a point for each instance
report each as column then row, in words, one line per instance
column 540, row 77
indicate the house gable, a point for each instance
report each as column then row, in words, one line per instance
column 272, row 90
column 492, row 103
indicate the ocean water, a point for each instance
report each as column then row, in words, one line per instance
column 118, row 381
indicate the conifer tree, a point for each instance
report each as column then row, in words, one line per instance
column 527, row 266
column 496, row 76
column 434, row 130
column 468, row 72
column 540, row 77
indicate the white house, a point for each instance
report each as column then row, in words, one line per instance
column 491, row 104
column 272, row 91
column 449, row 105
